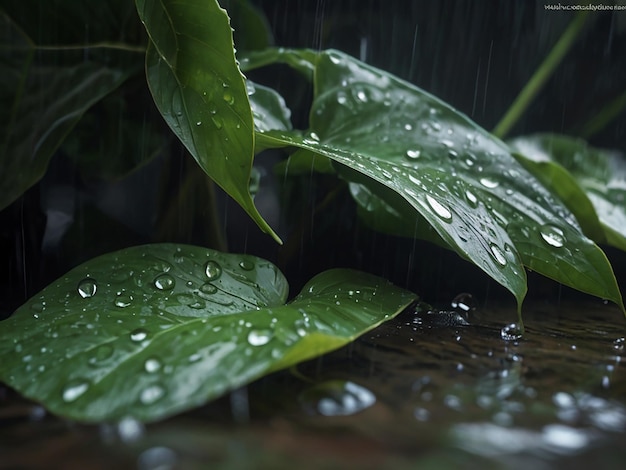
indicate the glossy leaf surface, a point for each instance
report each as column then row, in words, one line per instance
column 200, row 91
column 153, row 330
column 406, row 148
column 592, row 182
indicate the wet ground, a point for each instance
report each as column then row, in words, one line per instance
column 410, row 394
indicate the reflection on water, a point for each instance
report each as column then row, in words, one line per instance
column 411, row 392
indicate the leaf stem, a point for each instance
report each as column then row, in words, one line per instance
column 541, row 75
column 613, row 109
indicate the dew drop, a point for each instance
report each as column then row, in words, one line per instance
column 151, row 394
column 87, row 288
column 246, row 265
column 341, row 98
column 413, row 154
column 497, row 254
column 408, row 127
column 618, row 344
column 152, row 365
column 361, row 96
column 164, row 282
column 138, row 335
column 213, row 270
column 471, row 198
column 438, row 208
column 511, row 332
column 259, row 337
column 208, row 288
column 489, row 183
column 552, row 235
column 123, row 299
column 39, row 307
column 74, row 390
column 229, row 98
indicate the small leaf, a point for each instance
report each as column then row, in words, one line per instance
column 200, row 91
column 591, row 182
column 153, row 330
column 268, row 108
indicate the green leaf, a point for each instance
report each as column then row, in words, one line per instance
column 268, row 109
column 200, row 91
column 590, row 181
column 154, row 330
column 41, row 105
column 302, row 60
column 415, row 150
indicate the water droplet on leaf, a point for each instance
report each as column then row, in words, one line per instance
column 438, row 208
column 497, row 254
column 259, row 337
column 413, row 154
column 552, row 235
column 213, row 270
column 151, row 394
column 152, row 365
column 123, row 299
column 246, row 265
column 208, row 288
column 471, row 198
column 87, row 288
column 164, row 282
column 489, row 183
column 138, row 335
column 74, row 390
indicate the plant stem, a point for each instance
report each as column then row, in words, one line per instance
column 613, row 109
column 541, row 75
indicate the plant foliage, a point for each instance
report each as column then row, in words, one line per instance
column 153, row 330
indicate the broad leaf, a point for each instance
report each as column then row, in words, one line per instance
column 40, row 106
column 153, row 330
column 200, row 91
column 414, row 153
column 591, row 182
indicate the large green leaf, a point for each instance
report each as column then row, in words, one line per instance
column 409, row 152
column 200, row 91
column 591, row 182
column 153, row 330
column 40, row 106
